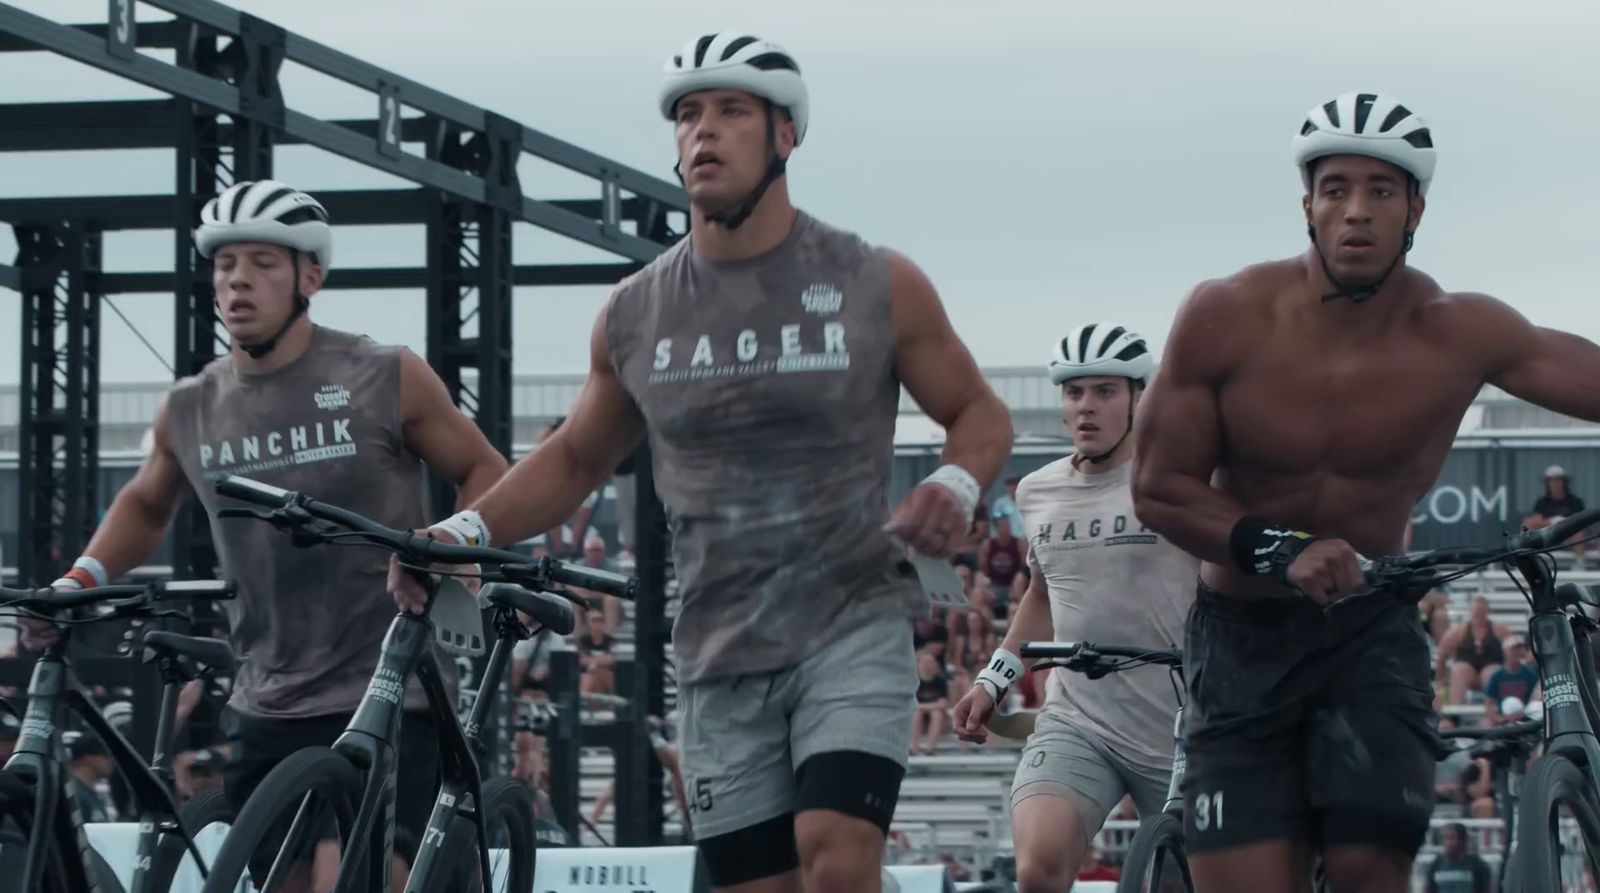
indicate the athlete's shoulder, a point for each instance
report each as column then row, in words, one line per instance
column 1472, row 321
column 662, row 267
column 847, row 250
column 1044, row 475
column 211, row 372
column 1251, row 289
column 351, row 342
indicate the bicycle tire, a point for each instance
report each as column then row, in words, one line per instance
column 1157, row 836
column 505, row 800
column 313, row 770
column 1555, row 780
column 16, row 803
column 209, row 807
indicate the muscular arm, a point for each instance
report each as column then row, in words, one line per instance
column 547, row 485
column 941, row 376
column 1179, row 435
column 137, row 520
column 1547, row 367
column 442, row 435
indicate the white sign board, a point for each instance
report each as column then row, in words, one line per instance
column 671, row 869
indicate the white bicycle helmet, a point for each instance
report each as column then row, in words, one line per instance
column 735, row 60
column 266, row 211
column 1101, row 348
column 1369, row 124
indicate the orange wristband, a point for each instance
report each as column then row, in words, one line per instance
column 81, row 576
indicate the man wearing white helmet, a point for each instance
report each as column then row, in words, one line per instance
column 1303, row 407
column 1097, row 575
column 764, row 356
column 309, row 409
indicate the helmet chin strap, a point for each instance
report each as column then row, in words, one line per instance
column 265, row 346
column 1358, row 294
column 731, row 219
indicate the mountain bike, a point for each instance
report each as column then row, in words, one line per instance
column 346, row 793
column 34, row 789
column 1562, row 792
column 1155, row 860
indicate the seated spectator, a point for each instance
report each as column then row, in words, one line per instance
column 930, row 634
column 595, row 555
column 977, row 534
column 932, row 718
column 595, row 655
column 196, row 771
column 1448, row 779
column 530, row 664
column 1000, row 558
column 1457, row 869
column 1518, row 679
column 1470, row 652
column 1558, row 502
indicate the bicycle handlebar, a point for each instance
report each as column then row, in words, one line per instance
column 47, row 601
column 301, row 513
column 1524, row 729
column 1090, row 651
column 1397, row 567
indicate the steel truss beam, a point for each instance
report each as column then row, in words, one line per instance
column 394, row 93
column 225, row 116
column 60, row 395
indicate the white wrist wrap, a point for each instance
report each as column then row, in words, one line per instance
column 94, row 567
column 467, row 527
column 1003, row 669
column 960, row 482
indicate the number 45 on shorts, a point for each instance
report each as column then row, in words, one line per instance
column 701, row 801
column 1208, row 811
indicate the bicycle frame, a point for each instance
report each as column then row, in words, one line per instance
column 39, row 755
column 1180, row 763
column 1566, row 670
column 368, row 742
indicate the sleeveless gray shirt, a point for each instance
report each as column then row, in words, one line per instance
column 769, row 392
column 308, row 623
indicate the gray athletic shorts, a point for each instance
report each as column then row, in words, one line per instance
column 743, row 739
column 1065, row 761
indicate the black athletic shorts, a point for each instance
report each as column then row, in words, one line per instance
column 258, row 744
column 1308, row 725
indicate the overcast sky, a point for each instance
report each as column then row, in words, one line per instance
column 1047, row 163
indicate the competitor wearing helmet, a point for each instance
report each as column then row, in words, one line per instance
column 1097, row 575
column 1304, row 406
column 312, row 410
column 764, row 357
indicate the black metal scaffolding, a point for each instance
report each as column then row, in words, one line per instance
column 225, row 116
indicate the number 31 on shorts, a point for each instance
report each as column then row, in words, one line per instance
column 1208, row 811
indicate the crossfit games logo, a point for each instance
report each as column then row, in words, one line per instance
column 332, row 396
column 822, row 299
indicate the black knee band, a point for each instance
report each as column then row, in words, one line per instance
column 857, row 784
column 751, row 853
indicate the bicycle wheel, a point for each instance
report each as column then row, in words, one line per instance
column 316, row 778
column 207, row 808
column 1555, row 796
column 65, row 871
column 508, row 822
column 1156, row 862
